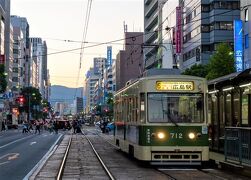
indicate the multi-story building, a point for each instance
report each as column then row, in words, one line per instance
column 8, row 45
column 44, row 77
column 108, row 80
column 129, row 61
column 36, row 70
column 99, row 65
column 152, row 30
column 39, row 76
column 206, row 24
column 199, row 26
column 98, row 97
column 114, row 76
column 78, row 104
column 2, row 55
column 171, row 35
column 23, row 25
column 19, row 61
column 246, row 19
column 90, row 81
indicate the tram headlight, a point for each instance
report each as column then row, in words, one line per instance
column 191, row 135
column 160, row 135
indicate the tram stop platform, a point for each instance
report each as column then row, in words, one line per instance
column 230, row 165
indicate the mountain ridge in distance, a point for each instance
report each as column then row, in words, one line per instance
column 65, row 94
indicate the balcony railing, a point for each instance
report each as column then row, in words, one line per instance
column 238, row 145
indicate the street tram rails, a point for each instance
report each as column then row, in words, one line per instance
column 162, row 119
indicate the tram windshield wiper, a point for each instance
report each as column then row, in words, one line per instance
column 170, row 118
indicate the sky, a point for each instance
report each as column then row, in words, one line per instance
column 58, row 21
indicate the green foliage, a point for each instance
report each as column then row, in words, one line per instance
column 197, row 70
column 3, row 82
column 221, row 63
column 33, row 99
column 110, row 99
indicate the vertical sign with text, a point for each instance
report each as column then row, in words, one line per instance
column 238, row 45
column 178, row 29
column 109, row 55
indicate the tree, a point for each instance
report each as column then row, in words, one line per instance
column 222, row 62
column 3, row 82
column 32, row 98
column 197, row 70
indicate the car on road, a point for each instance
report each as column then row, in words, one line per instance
column 110, row 126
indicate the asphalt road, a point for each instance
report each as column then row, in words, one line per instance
column 19, row 152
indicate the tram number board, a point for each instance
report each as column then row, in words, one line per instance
column 175, row 86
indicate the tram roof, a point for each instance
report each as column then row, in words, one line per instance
column 152, row 72
column 231, row 79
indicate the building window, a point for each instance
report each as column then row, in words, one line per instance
column 15, row 70
column 206, row 48
column 223, row 25
column 246, row 41
column 205, row 8
column 205, row 28
column 15, row 79
column 188, row 18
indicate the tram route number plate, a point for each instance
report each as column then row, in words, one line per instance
column 175, row 86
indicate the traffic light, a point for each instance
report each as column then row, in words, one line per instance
column 20, row 101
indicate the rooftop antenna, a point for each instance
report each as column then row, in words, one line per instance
column 125, row 27
column 125, row 30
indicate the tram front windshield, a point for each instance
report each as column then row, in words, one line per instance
column 175, row 108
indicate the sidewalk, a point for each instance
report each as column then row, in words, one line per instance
column 242, row 169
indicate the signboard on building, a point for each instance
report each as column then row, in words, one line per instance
column 178, row 29
column 238, row 45
column 109, row 55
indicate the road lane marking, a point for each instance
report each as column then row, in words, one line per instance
column 8, row 157
column 42, row 161
column 13, row 142
column 4, row 163
column 15, row 156
column 33, row 143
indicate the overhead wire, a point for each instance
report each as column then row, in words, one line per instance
column 109, row 42
column 87, row 18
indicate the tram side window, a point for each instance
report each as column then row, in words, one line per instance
column 244, row 109
column 236, row 120
column 130, row 104
column 228, row 109
column 142, row 107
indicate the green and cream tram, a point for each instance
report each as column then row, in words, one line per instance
column 162, row 119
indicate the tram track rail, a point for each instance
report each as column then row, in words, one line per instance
column 109, row 174
column 62, row 165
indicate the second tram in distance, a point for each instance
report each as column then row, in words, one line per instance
column 162, row 119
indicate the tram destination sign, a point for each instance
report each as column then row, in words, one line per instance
column 174, row 85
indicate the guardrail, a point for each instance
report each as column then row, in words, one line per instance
column 238, row 145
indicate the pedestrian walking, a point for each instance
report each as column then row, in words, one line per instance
column 37, row 124
column 25, row 127
column 55, row 126
column 3, row 126
column 74, row 125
